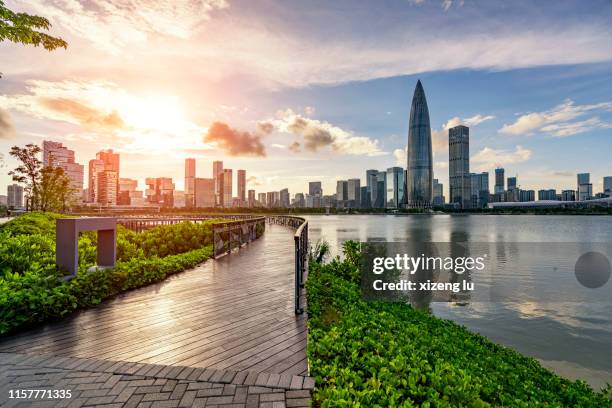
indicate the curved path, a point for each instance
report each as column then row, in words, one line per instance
column 231, row 318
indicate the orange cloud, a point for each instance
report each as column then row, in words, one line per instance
column 87, row 116
column 235, row 142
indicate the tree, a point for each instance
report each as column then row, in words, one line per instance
column 47, row 188
column 22, row 28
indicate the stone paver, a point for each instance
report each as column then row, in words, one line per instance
column 119, row 384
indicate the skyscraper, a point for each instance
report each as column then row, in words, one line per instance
column 284, row 198
column 585, row 188
column 419, row 181
column 190, row 175
column 314, row 188
column 160, row 190
column 57, row 155
column 353, row 187
column 227, row 188
column 395, row 187
column 103, row 171
column 438, row 193
column 14, row 196
column 218, row 178
column 241, row 180
column 341, row 192
column 459, row 166
column 607, row 185
column 480, row 189
column 251, row 198
column 371, row 185
column 204, row 195
column 499, row 181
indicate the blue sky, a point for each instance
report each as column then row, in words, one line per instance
column 323, row 88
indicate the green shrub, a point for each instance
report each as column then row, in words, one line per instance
column 31, row 288
column 388, row 354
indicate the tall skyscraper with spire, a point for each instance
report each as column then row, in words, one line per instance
column 419, row 173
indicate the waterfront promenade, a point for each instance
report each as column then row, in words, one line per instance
column 224, row 332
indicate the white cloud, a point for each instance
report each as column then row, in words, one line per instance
column 488, row 157
column 400, row 157
column 319, row 135
column 557, row 121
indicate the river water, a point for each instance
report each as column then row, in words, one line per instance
column 529, row 299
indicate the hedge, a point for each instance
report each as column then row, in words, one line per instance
column 369, row 354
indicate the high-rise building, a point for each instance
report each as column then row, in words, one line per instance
column 550, row 194
column 190, row 176
column 108, row 185
column 160, row 191
column 568, row 195
column 499, row 181
column 353, row 189
column 526, row 195
column 14, row 196
column 419, row 170
column 284, row 198
column 371, row 184
column 607, row 185
column 241, row 181
column 585, row 188
column 314, row 188
column 3, row 200
column 365, row 198
column 395, row 187
column 342, row 192
column 227, row 188
column 438, row 193
column 261, row 198
column 459, row 166
column 480, row 189
column 57, row 155
column 271, row 200
column 218, row 178
column 128, row 193
column 251, row 198
column 512, row 183
column 204, row 192
column 381, row 190
column 102, row 171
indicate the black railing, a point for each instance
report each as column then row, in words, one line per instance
column 234, row 234
column 300, row 239
column 140, row 224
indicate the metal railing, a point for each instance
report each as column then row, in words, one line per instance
column 300, row 239
column 234, row 234
column 140, row 224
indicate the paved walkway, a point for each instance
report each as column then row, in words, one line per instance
column 234, row 315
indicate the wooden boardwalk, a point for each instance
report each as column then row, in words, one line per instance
column 235, row 313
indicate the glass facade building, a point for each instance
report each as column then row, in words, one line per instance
column 459, row 166
column 395, row 187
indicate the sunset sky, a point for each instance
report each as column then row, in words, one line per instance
column 316, row 90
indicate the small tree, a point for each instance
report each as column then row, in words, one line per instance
column 28, row 172
column 23, row 28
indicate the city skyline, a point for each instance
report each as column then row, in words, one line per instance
column 542, row 113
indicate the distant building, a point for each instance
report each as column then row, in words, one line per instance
column 480, row 189
column 218, row 178
column 372, row 185
column 585, row 188
column 342, row 192
column 178, row 199
column 568, row 195
column 103, row 170
column 241, row 181
column 56, row 155
column 3, row 200
column 129, row 194
column 227, row 188
column 261, row 199
column 108, row 185
column 160, row 191
column 299, row 201
column 271, row 200
column 438, row 193
column 284, row 198
column 314, row 188
column 512, row 183
column 353, row 188
column 365, row 198
column 459, row 166
column 550, row 194
column 381, row 190
column 14, row 196
column 607, row 185
column 329, row 201
column 526, row 195
column 251, row 198
column 190, row 176
column 395, row 187
column 499, row 181
column 204, row 192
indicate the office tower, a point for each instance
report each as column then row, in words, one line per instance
column 160, row 191
column 227, row 188
column 56, row 155
column 371, row 185
column 568, row 195
column 284, row 200
column 499, row 181
column 438, row 193
column 128, row 193
column 419, row 181
column 108, row 185
column 607, row 185
column 342, row 193
column 364, row 196
column 190, row 176
column 353, row 188
column 585, row 188
column 241, row 181
column 14, row 196
column 251, row 198
column 3, row 200
column 218, row 177
column 314, row 188
column 395, row 187
column 96, row 167
column 511, row 183
column 178, row 199
column 479, row 187
column 270, row 200
column 261, row 198
column 459, row 167
column 102, row 171
column 550, row 194
column 526, row 195
column 204, row 192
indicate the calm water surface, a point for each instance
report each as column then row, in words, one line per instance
column 529, row 299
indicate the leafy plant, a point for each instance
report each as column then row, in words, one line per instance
column 318, row 251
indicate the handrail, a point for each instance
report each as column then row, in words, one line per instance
column 234, row 234
column 300, row 239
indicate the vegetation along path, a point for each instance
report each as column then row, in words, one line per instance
column 231, row 318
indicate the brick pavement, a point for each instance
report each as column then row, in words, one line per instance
column 104, row 383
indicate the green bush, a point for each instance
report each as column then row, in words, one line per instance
column 31, row 288
column 389, row 354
